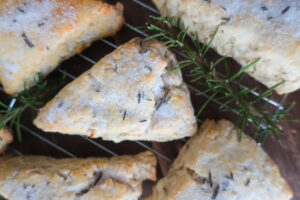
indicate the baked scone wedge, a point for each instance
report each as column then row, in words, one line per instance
column 36, row 35
column 44, row 178
column 215, row 165
column 248, row 30
column 6, row 138
column 128, row 95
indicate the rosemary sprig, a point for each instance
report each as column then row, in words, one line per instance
column 225, row 88
column 32, row 98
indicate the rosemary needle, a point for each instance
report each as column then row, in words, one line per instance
column 32, row 98
column 227, row 88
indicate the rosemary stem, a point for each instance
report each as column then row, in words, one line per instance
column 237, row 98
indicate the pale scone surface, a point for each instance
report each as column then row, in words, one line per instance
column 128, row 95
column 35, row 36
column 215, row 158
column 248, row 30
column 45, row 178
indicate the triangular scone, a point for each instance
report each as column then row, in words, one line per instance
column 35, row 35
column 127, row 95
column 247, row 30
column 41, row 178
column 215, row 165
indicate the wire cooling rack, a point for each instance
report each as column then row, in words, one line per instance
column 80, row 146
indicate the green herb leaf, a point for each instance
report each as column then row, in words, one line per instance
column 32, row 99
column 226, row 89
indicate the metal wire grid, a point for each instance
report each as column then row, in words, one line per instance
column 278, row 105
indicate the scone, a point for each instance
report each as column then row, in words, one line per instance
column 36, row 35
column 44, row 178
column 6, row 138
column 248, row 30
column 128, row 95
column 215, row 165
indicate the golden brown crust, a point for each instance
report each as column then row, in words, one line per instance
column 215, row 158
column 35, row 36
column 127, row 95
column 38, row 177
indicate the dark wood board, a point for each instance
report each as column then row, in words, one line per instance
column 285, row 152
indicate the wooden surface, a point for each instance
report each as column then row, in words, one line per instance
column 285, row 152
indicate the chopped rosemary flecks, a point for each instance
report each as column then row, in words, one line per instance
column 285, row 10
column 124, row 115
column 163, row 100
column 32, row 98
column 230, row 176
column 226, row 19
column 20, row 10
column 216, row 191
column 165, row 189
column 41, row 24
column 210, row 180
column 27, row 41
column 227, row 88
column 248, row 182
column 139, row 97
column 264, row 8
column 143, row 121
